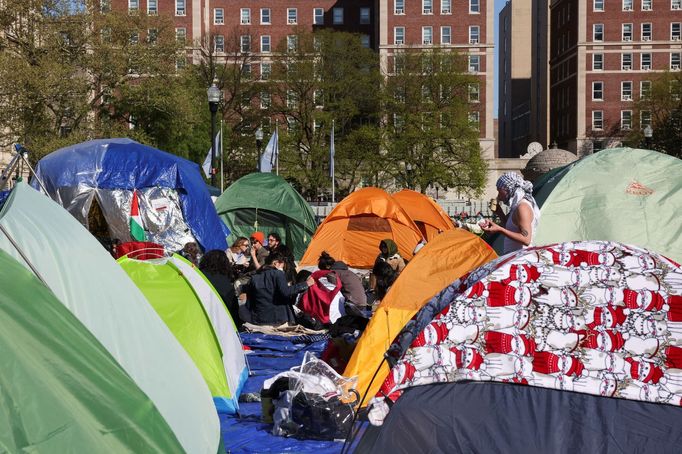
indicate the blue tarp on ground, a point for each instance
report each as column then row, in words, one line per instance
column 126, row 164
column 245, row 433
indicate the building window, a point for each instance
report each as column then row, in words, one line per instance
column 181, row 35
column 597, row 120
column 676, row 4
column 318, row 16
column 265, row 16
column 152, row 7
column 474, row 120
column 427, row 6
column 474, row 93
column 675, row 61
column 180, row 7
column 625, row 119
column 265, row 44
column 427, row 35
column 627, row 5
column 474, row 63
column 219, row 43
column 474, row 6
column 626, row 62
column 646, row 32
column 337, row 16
column 246, row 71
column 646, row 61
column 292, row 43
column 598, row 5
column 399, row 35
column 644, row 119
column 445, row 35
column 445, row 6
column 245, row 16
column 626, row 91
column 265, row 71
column 133, row 6
column 597, row 91
column 292, row 16
column 598, row 32
column 291, row 99
column 364, row 15
column 364, row 41
column 597, row 62
column 473, row 34
column 644, row 89
column 245, row 43
column 627, row 32
column 219, row 16
column 399, row 7
column 104, row 6
column 675, row 31
column 134, row 38
column 646, row 5
column 265, row 100
column 152, row 35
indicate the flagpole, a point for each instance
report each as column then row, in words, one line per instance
column 331, row 155
column 222, row 184
column 277, row 149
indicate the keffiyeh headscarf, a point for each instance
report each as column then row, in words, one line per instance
column 518, row 189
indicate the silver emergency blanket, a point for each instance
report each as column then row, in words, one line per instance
column 160, row 210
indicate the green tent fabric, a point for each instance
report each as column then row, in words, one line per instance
column 45, row 238
column 266, row 202
column 544, row 185
column 622, row 194
column 174, row 299
column 60, row 390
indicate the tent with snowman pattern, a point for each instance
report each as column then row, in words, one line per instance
column 593, row 317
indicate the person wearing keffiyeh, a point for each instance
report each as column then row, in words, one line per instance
column 521, row 221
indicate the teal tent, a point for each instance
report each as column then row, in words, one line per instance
column 46, row 239
column 621, row 194
column 266, row 202
column 60, row 389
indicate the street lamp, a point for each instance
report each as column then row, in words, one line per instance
column 408, row 171
column 213, row 93
column 259, row 143
column 648, row 134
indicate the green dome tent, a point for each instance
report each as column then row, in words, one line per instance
column 195, row 314
column 46, row 239
column 60, row 389
column 266, row 202
column 621, row 194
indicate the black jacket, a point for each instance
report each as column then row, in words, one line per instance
column 225, row 288
column 269, row 297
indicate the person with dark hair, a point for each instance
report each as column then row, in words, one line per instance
column 258, row 250
column 269, row 297
column 275, row 245
column 388, row 252
column 218, row 270
column 351, row 284
column 325, row 261
column 191, row 252
column 385, row 276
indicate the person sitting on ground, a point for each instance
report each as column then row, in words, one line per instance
column 238, row 255
column 269, row 297
column 218, row 270
column 275, row 245
column 384, row 277
column 389, row 254
column 191, row 252
column 351, row 284
column 258, row 250
column 522, row 220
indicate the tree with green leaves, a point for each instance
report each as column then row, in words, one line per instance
column 319, row 79
column 430, row 128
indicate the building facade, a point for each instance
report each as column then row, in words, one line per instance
column 603, row 58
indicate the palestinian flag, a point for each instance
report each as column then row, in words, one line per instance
column 136, row 229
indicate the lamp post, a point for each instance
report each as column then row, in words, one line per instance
column 408, row 171
column 259, row 143
column 648, row 134
column 213, row 94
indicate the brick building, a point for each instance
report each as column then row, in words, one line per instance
column 603, row 56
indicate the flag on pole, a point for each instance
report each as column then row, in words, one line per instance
column 332, row 151
column 136, row 229
column 271, row 153
column 218, row 147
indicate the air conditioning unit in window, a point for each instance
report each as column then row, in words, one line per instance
column 646, row 38
column 625, row 127
column 399, row 41
column 427, row 11
column 676, row 38
column 244, row 22
column 627, row 38
column 646, row 67
column 291, row 21
column 473, row 41
column 399, row 11
column 676, row 7
column 180, row 12
column 674, row 66
column 626, row 98
column 445, row 11
column 646, row 8
column 472, row 69
column 627, row 8
column 427, row 41
column 626, row 67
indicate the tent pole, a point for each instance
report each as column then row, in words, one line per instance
column 222, row 158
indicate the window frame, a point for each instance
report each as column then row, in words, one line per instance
column 595, row 7
column 601, row 120
column 471, row 64
column 268, row 18
column 624, row 96
column 317, row 16
column 644, row 93
column 292, row 16
column 399, row 10
column 626, row 32
column 365, row 15
column 623, row 126
column 594, row 61
column 474, row 7
column 627, row 5
column 155, row 10
column 625, row 66
column 427, row 7
column 218, row 16
column 216, row 40
column 425, row 41
column 443, row 9
column 675, row 35
column 180, row 7
column 265, row 64
column 647, row 5
column 245, row 43
column 474, row 92
column 263, row 45
column 477, row 30
column 395, row 35
column 600, row 90
column 245, row 19
column 337, row 15
column 641, row 61
column 595, row 32
column 443, row 28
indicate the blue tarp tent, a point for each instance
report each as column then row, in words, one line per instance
column 174, row 202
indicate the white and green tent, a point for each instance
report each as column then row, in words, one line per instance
column 46, row 239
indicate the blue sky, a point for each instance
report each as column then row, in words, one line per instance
column 499, row 4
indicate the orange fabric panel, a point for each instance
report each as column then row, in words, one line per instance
column 447, row 257
column 423, row 209
column 355, row 227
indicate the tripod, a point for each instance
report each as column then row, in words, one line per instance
column 16, row 164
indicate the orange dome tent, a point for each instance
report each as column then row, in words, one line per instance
column 425, row 212
column 355, row 227
column 448, row 257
